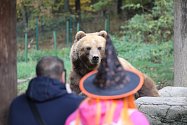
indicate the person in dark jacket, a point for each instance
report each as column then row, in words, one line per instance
column 48, row 93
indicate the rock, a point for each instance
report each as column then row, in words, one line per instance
column 164, row 110
column 170, row 91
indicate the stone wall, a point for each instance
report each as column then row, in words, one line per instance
column 168, row 109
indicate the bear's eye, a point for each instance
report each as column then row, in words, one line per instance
column 99, row 48
column 88, row 48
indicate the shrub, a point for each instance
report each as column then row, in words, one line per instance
column 155, row 59
column 155, row 26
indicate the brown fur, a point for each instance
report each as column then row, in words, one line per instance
column 81, row 61
column 149, row 86
column 81, row 57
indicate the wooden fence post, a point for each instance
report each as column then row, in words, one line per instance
column 26, row 47
column 37, row 32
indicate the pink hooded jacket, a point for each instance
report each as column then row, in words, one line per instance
column 93, row 113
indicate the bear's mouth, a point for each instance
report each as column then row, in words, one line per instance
column 90, row 65
column 94, row 62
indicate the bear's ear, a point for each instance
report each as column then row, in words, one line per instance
column 79, row 35
column 103, row 34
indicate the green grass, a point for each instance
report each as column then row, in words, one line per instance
column 26, row 70
column 156, row 60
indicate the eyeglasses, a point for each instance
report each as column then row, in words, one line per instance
column 65, row 75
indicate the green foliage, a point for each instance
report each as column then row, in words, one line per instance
column 22, row 87
column 146, row 43
column 136, row 1
column 27, row 69
column 156, row 59
column 101, row 5
column 153, row 27
column 135, row 4
column 47, row 9
column 132, row 6
column 85, row 5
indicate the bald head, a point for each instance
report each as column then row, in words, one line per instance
column 50, row 66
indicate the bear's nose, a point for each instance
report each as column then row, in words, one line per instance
column 95, row 58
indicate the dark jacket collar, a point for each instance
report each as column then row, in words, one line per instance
column 44, row 88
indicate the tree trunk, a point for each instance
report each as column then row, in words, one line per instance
column 24, row 11
column 66, row 5
column 78, row 7
column 180, row 43
column 119, row 5
column 78, row 11
column 8, row 76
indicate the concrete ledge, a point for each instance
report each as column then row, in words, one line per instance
column 171, row 91
column 164, row 110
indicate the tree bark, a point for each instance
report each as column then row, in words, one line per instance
column 25, row 16
column 119, row 5
column 8, row 76
column 78, row 7
column 66, row 5
column 180, row 43
column 78, row 11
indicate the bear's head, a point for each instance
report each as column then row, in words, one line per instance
column 89, row 48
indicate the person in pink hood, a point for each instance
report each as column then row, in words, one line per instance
column 110, row 92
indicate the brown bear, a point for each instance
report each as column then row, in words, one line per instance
column 86, row 54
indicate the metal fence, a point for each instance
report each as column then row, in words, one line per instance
column 60, row 31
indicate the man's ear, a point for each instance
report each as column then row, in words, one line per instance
column 79, row 35
column 63, row 78
column 103, row 34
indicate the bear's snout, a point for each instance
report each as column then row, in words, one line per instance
column 95, row 59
